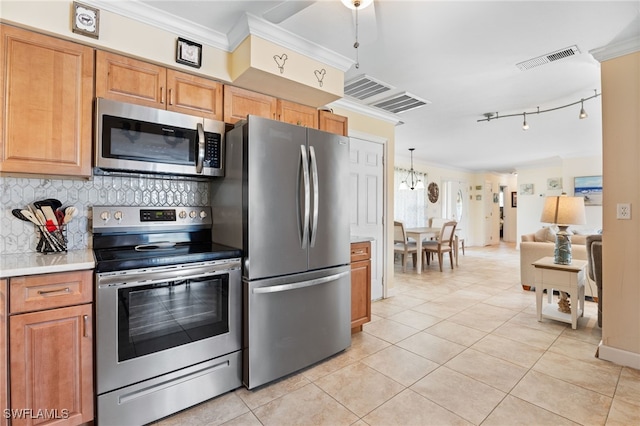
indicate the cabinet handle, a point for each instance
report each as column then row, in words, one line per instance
column 161, row 94
column 85, row 320
column 359, row 252
column 58, row 290
column 170, row 97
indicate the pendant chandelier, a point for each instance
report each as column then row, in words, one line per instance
column 411, row 181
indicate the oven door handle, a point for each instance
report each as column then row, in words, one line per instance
column 146, row 278
column 298, row 285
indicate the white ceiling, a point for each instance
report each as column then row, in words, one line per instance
column 461, row 56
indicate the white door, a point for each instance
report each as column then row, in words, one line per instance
column 489, row 216
column 366, row 202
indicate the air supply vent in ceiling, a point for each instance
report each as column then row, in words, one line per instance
column 363, row 87
column 400, row 103
column 549, row 57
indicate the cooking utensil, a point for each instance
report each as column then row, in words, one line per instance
column 51, row 202
column 69, row 213
column 59, row 217
column 17, row 213
column 38, row 218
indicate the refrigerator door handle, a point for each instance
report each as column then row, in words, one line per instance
column 307, row 196
column 303, row 284
column 314, row 181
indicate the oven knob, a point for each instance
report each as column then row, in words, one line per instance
column 192, row 214
column 203, row 214
column 182, row 214
column 118, row 215
column 105, row 216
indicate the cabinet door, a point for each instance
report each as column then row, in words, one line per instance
column 238, row 103
column 360, row 294
column 333, row 123
column 4, row 402
column 129, row 80
column 46, row 92
column 293, row 113
column 194, row 95
column 52, row 364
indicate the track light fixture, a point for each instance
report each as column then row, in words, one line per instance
column 411, row 181
column 583, row 114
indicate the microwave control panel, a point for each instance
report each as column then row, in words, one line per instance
column 212, row 150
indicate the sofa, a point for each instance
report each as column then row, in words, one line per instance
column 542, row 243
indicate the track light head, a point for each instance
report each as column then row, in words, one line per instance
column 583, row 113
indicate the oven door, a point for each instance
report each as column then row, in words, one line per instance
column 155, row 321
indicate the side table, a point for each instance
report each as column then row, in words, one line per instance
column 567, row 278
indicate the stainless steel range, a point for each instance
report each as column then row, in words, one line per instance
column 168, row 312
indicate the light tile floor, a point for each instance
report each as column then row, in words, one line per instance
column 457, row 347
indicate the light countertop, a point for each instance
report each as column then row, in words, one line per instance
column 13, row 265
column 359, row 239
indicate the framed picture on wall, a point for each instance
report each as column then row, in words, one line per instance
column 589, row 187
column 526, row 189
column 514, row 199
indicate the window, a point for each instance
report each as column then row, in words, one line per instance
column 410, row 206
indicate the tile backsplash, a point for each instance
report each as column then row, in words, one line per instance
column 17, row 236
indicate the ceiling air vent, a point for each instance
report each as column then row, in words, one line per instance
column 400, row 103
column 549, row 57
column 363, row 87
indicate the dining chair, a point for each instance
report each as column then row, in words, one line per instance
column 444, row 244
column 402, row 245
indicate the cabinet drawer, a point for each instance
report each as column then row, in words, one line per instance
column 360, row 251
column 37, row 292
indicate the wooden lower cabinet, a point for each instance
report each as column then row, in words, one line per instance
column 51, row 354
column 360, row 285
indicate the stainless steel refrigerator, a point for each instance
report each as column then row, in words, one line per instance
column 284, row 202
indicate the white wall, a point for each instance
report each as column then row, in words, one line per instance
column 530, row 206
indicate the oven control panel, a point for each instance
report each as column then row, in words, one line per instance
column 125, row 218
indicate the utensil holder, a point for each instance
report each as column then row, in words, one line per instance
column 52, row 241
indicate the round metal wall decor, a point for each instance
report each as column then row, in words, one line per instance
column 434, row 192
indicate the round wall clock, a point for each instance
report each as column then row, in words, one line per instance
column 434, row 192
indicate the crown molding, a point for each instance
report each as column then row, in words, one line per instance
column 143, row 12
column 616, row 50
column 250, row 24
column 247, row 25
column 366, row 110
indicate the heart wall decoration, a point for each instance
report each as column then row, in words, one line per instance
column 280, row 60
column 320, row 75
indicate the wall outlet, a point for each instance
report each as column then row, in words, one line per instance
column 623, row 211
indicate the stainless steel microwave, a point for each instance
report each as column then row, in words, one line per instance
column 139, row 139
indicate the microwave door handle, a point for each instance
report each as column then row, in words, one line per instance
column 201, row 143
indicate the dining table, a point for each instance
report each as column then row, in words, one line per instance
column 424, row 233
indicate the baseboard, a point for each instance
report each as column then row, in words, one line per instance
column 619, row 356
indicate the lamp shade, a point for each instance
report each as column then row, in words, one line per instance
column 564, row 210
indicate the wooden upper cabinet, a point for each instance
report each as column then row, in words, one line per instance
column 333, row 123
column 293, row 113
column 238, row 103
column 194, row 95
column 129, row 80
column 46, row 96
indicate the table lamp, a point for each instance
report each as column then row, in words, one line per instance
column 563, row 211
